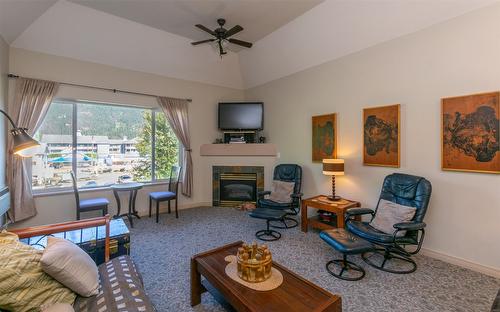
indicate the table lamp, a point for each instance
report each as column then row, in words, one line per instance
column 333, row 167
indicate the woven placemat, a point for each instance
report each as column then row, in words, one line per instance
column 271, row 283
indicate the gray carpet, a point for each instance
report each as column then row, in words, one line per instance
column 162, row 252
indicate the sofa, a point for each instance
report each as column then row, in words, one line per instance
column 496, row 303
column 121, row 289
column 121, row 286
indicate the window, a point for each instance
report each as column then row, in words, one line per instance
column 103, row 144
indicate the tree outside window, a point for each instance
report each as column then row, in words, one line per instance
column 166, row 147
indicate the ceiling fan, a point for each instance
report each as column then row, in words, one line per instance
column 222, row 35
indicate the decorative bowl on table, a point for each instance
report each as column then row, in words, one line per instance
column 254, row 263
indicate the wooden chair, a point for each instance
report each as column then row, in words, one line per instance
column 88, row 204
column 171, row 194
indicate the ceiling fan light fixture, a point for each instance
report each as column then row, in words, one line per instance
column 222, row 37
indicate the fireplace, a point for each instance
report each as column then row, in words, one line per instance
column 236, row 188
column 233, row 185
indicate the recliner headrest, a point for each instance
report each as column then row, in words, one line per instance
column 286, row 172
column 402, row 185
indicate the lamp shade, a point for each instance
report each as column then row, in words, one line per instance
column 24, row 145
column 333, row 167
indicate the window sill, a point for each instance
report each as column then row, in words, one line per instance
column 68, row 190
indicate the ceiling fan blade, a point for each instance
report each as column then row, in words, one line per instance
column 241, row 43
column 202, row 41
column 236, row 29
column 205, row 29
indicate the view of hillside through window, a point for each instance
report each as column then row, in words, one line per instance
column 108, row 144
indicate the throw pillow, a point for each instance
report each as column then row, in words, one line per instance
column 71, row 266
column 23, row 284
column 389, row 213
column 281, row 191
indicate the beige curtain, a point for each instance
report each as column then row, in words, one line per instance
column 176, row 111
column 32, row 99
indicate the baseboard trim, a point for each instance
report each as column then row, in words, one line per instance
column 164, row 209
column 196, row 205
column 494, row 272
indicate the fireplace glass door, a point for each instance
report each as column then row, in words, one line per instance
column 236, row 188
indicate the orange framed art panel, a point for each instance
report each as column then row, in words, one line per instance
column 324, row 137
column 470, row 133
column 382, row 136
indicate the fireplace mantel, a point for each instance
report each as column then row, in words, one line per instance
column 254, row 149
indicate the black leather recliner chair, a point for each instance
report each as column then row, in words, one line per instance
column 288, row 173
column 402, row 189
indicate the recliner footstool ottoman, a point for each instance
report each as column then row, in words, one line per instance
column 268, row 215
column 347, row 244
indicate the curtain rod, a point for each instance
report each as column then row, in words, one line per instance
column 99, row 88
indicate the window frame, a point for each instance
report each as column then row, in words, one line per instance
column 74, row 148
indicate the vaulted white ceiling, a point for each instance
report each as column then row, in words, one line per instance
column 17, row 15
column 336, row 28
column 154, row 35
column 258, row 17
column 71, row 30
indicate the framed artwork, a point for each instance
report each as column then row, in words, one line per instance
column 324, row 137
column 470, row 133
column 381, row 136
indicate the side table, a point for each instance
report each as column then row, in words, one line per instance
column 321, row 202
column 132, row 188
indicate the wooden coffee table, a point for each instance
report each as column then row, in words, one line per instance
column 295, row 294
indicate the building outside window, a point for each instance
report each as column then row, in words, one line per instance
column 103, row 144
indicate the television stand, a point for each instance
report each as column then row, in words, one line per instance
column 240, row 137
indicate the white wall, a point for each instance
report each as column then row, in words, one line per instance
column 202, row 117
column 457, row 57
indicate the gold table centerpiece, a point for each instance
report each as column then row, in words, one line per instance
column 254, row 262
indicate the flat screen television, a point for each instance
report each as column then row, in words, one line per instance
column 241, row 116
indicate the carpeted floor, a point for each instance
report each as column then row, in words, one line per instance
column 162, row 252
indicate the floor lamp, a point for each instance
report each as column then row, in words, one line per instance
column 23, row 144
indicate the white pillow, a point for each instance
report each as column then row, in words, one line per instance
column 281, row 191
column 389, row 213
column 70, row 266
